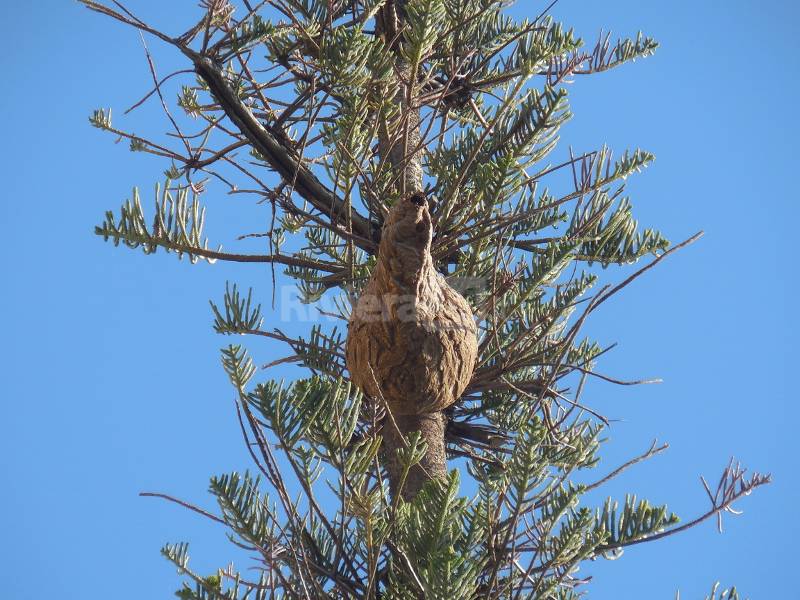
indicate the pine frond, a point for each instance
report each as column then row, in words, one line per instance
column 604, row 57
column 101, row 118
column 615, row 238
column 323, row 352
column 423, row 18
column 177, row 224
column 637, row 520
column 721, row 594
column 239, row 366
column 431, row 533
column 200, row 588
column 530, row 130
column 247, row 512
column 543, row 42
column 318, row 412
column 241, row 316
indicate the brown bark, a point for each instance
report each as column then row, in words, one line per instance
column 399, row 142
column 433, row 464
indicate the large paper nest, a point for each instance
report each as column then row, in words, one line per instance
column 412, row 338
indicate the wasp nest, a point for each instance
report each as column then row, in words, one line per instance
column 412, row 342
column 412, row 339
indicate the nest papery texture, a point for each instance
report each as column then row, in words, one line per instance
column 412, row 343
column 412, row 340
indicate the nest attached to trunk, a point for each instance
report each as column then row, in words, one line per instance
column 412, row 338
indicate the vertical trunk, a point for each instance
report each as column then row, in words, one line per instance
column 400, row 141
column 434, row 463
column 399, row 144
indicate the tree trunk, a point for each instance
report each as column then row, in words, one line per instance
column 433, row 465
column 412, row 340
column 399, row 142
column 407, row 167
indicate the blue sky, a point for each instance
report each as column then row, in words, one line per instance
column 111, row 382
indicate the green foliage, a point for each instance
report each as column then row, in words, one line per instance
column 323, row 352
column 624, row 51
column 718, row 594
column 240, row 316
column 324, row 87
column 252, row 32
column 177, row 224
column 440, row 543
column 636, row 521
column 422, row 20
column 318, row 412
column 724, row 594
column 101, row 118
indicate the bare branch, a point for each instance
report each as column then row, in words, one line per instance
column 732, row 486
column 280, row 157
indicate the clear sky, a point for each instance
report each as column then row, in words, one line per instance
column 111, row 382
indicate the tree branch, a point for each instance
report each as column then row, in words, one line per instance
column 275, row 152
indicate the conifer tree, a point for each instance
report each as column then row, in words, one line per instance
column 363, row 127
